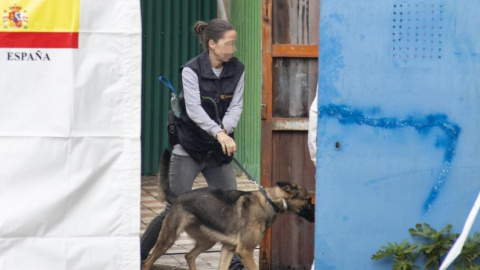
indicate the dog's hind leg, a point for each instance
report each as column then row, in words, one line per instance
column 173, row 225
column 226, row 257
column 202, row 243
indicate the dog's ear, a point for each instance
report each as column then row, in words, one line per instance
column 289, row 188
column 283, row 184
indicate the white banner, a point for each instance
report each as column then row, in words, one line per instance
column 70, row 134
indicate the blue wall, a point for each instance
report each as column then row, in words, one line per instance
column 398, row 140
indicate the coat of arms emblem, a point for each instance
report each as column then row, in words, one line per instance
column 15, row 18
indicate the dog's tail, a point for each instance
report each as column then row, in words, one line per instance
column 164, row 183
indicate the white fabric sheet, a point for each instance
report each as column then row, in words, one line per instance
column 70, row 147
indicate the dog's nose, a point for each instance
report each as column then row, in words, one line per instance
column 308, row 213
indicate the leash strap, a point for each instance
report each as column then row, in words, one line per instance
column 219, row 121
column 245, row 171
column 260, row 188
column 274, row 206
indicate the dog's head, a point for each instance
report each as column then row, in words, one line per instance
column 298, row 200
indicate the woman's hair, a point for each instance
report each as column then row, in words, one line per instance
column 214, row 30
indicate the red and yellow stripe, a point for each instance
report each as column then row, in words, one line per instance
column 39, row 23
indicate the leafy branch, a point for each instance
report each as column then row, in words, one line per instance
column 433, row 248
column 436, row 244
column 404, row 254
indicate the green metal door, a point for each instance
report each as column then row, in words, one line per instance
column 246, row 17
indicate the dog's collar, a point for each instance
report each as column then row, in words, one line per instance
column 273, row 205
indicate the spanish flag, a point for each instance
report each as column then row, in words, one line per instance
column 39, row 23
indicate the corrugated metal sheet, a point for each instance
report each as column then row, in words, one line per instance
column 168, row 42
column 246, row 17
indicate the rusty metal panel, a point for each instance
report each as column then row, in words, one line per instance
column 292, row 236
column 246, row 17
column 289, row 68
column 168, row 42
column 295, row 21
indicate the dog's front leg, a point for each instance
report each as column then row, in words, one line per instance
column 225, row 257
column 246, row 256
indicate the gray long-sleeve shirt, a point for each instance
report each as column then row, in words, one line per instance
column 191, row 93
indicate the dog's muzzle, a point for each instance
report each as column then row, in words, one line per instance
column 308, row 212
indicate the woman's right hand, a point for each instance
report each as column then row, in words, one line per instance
column 229, row 147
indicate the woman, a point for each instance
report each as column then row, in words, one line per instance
column 211, row 100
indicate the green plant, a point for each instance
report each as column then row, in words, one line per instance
column 404, row 254
column 434, row 247
column 470, row 253
column 437, row 243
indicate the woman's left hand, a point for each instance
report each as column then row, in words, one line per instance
column 229, row 147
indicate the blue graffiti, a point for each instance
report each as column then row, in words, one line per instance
column 348, row 116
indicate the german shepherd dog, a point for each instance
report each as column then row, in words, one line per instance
column 237, row 219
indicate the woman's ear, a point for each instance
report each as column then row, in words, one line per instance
column 211, row 44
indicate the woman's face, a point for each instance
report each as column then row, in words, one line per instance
column 225, row 47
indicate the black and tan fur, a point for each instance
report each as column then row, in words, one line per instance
column 237, row 219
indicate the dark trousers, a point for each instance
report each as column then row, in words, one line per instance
column 183, row 171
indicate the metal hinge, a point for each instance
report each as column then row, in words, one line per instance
column 265, row 17
column 264, row 112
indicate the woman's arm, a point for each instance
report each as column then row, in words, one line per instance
column 234, row 111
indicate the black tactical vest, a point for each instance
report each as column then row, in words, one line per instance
column 197, row 142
